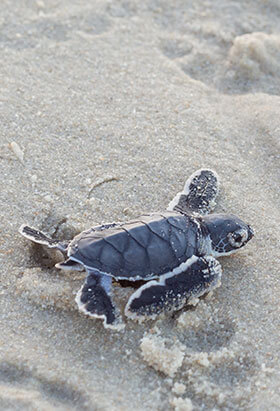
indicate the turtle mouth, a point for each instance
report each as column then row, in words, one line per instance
column 251, row 233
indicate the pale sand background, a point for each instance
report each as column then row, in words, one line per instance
column 146, row 93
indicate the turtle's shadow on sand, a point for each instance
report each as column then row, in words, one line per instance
column 31, row 387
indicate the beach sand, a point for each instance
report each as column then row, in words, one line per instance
column 106, row 108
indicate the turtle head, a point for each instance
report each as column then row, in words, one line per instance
column 227, row 233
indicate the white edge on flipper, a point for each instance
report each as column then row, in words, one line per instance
column 58, row 245
column 81, row 306
column 173, row 203
column 29, row 237
column 181, row 268
column 69, row 268
column 20, row 230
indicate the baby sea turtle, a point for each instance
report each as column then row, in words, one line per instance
column 173, row 251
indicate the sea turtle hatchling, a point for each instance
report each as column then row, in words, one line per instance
column 173, row 251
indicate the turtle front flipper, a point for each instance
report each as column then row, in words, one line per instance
column 94, row 300
column 184, row 285
column 40, row 238
column 199, row 194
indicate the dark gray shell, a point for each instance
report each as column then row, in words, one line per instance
column 145, row 248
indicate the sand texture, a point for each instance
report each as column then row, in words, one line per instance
column 106, row 108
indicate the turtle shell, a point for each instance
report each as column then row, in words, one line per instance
column 144, row 248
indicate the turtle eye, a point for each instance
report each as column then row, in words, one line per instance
column 238, row 238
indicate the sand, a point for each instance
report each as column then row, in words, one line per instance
column 106, row 108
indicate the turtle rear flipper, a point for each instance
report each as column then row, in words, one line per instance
column 198, row 195
column 198, row 276
column 94, row 300
column 40, row 238
column 70, row 265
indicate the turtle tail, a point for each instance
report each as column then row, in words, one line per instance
column 40, row 238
